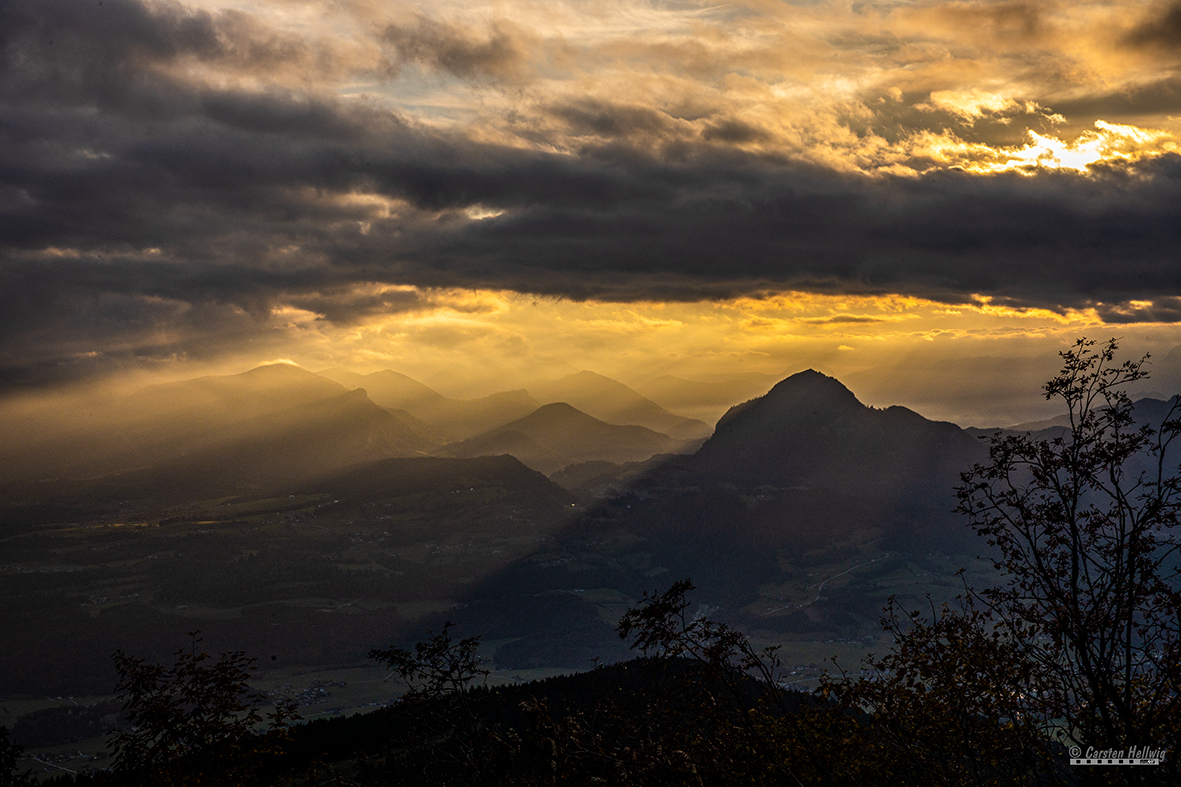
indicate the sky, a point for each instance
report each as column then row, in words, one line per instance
column 892, row 192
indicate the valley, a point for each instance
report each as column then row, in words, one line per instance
column 280, row 515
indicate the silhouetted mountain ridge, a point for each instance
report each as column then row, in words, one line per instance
column 810, row 430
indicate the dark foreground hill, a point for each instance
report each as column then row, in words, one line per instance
column 624, row 705
column 642, row 721
column 711, row 714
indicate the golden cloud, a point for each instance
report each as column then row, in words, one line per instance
column 1107, row 143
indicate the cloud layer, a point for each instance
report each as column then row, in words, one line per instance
column 177, row 178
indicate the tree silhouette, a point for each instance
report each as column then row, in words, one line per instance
column 1087, row 528
column 193, row 723
column 1080, row 642
column 10, row 752
column 449, row 735
column 948, row 704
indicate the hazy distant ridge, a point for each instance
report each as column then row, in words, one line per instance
column 456, row 419
column 557, row 435
column 616, row 403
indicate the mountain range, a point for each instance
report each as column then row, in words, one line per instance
column 807, row 439
column 557, row 435
column 613, row 402
column 801, row 475
column 808, row 455
column 308, row 516
column 233, row 433
column 452, row 419
column 212, row 434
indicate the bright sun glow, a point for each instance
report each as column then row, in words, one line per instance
column 1108, row 143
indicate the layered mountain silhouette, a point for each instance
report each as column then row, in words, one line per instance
column 282, row 424
column 805, row 475
column 614, row 402
column 388, row 388
column 270, row 424
column 161, row 422
column 278, row 485
column 557, row 435
column 301, row 442
column 451, row 419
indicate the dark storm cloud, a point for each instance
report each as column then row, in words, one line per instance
column 76, row 317
column 464, row 53
column 1161, row 310
column 731, row 130
column 1161, row 29
column 733, row 225
column 610, row 120
column 38, row 295
column 143, row 207
column 1162, row 96
column 100, row 52
column 344, row 305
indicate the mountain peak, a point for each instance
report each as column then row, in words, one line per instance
column 559, row 413
column 809, row 383
column 280, row 376
column 278, row 370
column 810, row 428
column 587, row 374
column 802, row 393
